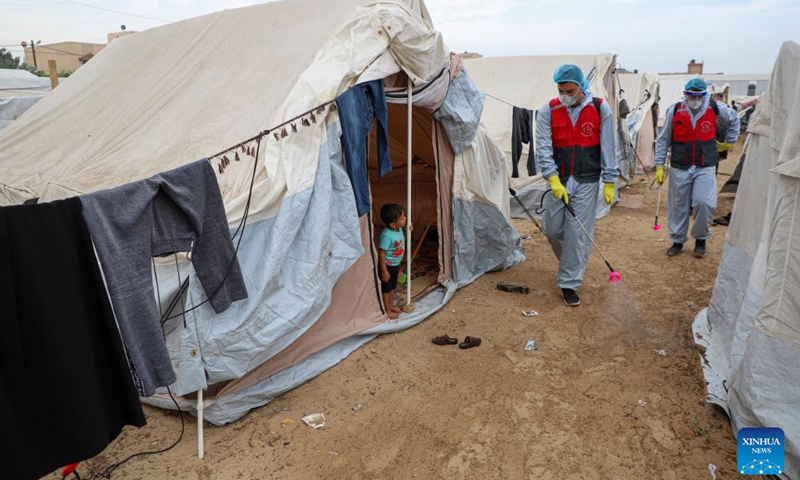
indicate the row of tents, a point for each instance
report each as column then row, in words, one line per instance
column 170, row 95
column 19, row 91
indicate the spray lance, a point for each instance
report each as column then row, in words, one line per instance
column 656, row 226
column 614, row 275
column 514, row 194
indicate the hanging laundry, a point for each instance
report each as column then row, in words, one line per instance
column 65, row 388
column 522, row 132
column 358, row 106
column 177, row 211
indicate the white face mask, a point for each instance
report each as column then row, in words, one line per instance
column 694, row 104
column 568, row 100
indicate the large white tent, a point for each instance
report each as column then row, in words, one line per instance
column 168, row 96
column 527, row 82
column 751, row 328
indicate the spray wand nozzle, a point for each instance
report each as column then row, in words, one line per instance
column 613, row 275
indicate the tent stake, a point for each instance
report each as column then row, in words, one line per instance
column 200, row 452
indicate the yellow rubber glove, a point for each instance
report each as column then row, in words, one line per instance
column 557, row 189
column 724, row 146
column 608, row 193
column 659, row 174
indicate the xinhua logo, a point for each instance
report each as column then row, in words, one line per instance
column 760, row 451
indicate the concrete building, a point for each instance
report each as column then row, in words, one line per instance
column 69, row 56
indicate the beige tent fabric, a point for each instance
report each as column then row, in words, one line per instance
column 645, row 143
column 178, row 116
column 784, row 87
column 527, row 82
column 636, row 86
column 780, row 312
column 445, row 165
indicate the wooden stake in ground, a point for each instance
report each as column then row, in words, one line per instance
column 51, row 64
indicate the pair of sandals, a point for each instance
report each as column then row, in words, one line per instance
column 468, row 342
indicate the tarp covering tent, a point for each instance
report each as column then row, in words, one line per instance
column 19, row 91
column 640, row 90
column 527, row 82
column 751, row 328
column 168, row 96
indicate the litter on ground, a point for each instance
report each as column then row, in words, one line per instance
column 315, row 420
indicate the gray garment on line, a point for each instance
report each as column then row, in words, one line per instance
column 176, row 211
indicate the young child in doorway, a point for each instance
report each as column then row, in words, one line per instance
column 391, row 249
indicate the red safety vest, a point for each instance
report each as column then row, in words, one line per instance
column 694, row 145
column 576, row 148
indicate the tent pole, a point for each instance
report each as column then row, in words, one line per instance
column 408, row 200
column 200, row 452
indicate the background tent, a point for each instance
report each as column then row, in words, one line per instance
column 751, row 328
column 19, row 91
column 170, row 95
column 641, row 91
column 527, row 82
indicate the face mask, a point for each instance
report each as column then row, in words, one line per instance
column 694, row 104
column 568, row 100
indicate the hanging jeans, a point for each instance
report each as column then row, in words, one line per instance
column 357, row 108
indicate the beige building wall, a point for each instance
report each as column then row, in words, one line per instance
column 116, row 35
column 66, row 54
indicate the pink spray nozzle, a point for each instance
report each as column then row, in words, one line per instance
column 614, row 277
column 656, row 227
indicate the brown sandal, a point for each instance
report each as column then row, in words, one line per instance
column 444, row 340
column 470, row 342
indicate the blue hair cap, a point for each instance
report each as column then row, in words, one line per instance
column 571, row 73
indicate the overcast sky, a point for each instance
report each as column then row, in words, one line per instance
column 731, row 36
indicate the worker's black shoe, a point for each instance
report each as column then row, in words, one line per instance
column 571, row 298
column 675, row 249
column 699, row 248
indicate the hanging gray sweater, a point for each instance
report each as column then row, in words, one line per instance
column 177, row 211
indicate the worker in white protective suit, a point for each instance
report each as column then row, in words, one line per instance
column 691, row 133
column 574, row 151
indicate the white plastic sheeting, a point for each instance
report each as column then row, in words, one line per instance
column 19, row 91
column 751, row 328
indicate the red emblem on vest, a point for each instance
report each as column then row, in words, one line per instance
column 587, row 129
column 705, row 127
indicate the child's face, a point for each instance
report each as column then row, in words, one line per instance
column 401, row 221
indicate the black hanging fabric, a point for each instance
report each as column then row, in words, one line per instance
column 522, row 132
column 65, row 388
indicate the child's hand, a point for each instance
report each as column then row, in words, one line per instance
column 385, row 276
column 411, row 227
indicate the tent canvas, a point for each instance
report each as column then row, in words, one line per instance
column 167, row 96
column 19, row 91
column 751, row 328
column 527, row 82
column 640, row 90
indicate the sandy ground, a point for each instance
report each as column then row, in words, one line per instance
column 595, row 401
